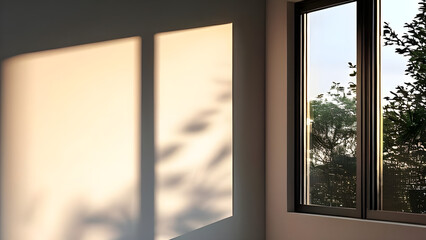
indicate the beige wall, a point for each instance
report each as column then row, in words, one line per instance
column 31, row 27
column 280, row 223
column 193, row 129
column 70, row 123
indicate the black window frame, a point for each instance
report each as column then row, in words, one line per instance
column 368, row 70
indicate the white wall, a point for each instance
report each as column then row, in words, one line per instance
column 280, row 223
column 70, row 124
column 35, row 26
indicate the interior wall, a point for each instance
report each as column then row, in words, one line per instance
column 281, row 222
column 34, row 26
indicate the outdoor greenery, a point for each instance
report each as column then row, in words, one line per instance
column 333, row 132
column 404, row 122
column 333, row 146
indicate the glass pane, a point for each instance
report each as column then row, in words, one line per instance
column 403, row 104
column 330, row 101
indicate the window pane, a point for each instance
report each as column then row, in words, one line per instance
column 403, row 104
column 330, row 107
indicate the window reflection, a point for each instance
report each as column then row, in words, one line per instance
column 70, row 140
column 193, row 129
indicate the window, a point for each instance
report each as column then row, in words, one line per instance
column 360, row 109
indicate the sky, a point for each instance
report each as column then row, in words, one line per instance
column 332, row 44
column 396, row 13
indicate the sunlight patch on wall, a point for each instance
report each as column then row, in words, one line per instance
column 70, row 135
column 193, row 129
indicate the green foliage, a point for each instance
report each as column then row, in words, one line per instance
column 333, row 146
column 404, row 121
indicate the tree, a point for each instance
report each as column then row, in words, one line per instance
column 333, row 146
column 404, row 122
